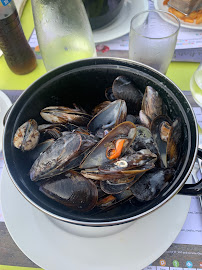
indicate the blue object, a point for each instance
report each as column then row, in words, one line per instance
column 189, row 264
column 5, row 2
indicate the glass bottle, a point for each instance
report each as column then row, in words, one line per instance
column 63, row 31
column 18, row 54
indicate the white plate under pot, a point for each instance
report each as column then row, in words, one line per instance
column 48, row 243
column 5, row 104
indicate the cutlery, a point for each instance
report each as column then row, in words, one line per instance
column 195, row 177
column 200, row 147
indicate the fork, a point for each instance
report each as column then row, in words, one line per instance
column 195, row 178
column 200, row 147
column 199, row 161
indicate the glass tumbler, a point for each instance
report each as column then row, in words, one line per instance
column 63, row 31
column 196, row 85
column 153, row 37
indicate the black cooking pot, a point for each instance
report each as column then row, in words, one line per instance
column 84, row 83
column 102, row 12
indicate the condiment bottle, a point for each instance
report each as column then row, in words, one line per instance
column 18, row 54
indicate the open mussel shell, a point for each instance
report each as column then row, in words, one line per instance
column 109, row 117
column 161, row 145
column 117, row 173
column 129, row 162
column 114, row 187
column 152, row 104
column 40, row 148
column 100, row 107
column 97, row 156
column 174, row 143
column 63, row 115
column 27, row 136
column 151, row 183
column 111, row 201
column 124, row 88
column 53, row 161
column 72, row 190
column 87, row 142
column 167, row 136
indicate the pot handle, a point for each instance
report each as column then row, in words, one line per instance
column 193, row 189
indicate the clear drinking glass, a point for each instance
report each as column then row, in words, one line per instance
column 63, row 31
column 196, row 85
column 153, row 37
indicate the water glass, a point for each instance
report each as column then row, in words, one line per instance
column 196, row 85
column 153, row 37
column 63, row 31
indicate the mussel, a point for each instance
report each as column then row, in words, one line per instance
column 27, row 136
column 99, row 155
column 63, row 115
column 167, row 136
column 109, row 117
column 151, row 184
column 73, row 190
column 52, row 161
column 152, row 103
column 124, row 88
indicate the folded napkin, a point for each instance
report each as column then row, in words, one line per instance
column 20, row 4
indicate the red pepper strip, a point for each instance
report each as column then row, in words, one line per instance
column 115, row 153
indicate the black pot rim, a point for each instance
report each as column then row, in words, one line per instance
column 121, row 221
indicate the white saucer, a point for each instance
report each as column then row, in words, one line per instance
column 50, row 247
column 158, row 4
column 121, row 24
column 5, row 104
